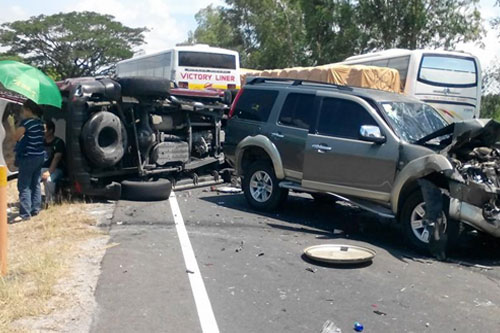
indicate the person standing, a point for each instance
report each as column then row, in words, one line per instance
column 53, row 168
column 30, row 155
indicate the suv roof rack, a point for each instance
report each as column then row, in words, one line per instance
column 297, row 82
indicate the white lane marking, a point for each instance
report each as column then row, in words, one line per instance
column 203, row 306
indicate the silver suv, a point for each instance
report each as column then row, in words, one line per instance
column 365, row 146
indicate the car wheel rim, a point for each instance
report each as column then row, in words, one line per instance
column 261, row 186
column 418, row 226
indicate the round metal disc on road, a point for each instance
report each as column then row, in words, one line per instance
column 339, row 253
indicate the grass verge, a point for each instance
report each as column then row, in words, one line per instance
column 39, row 254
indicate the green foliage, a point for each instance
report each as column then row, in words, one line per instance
column 286, row 33
column 7, row 56
column 71, row 44
column 490, row 107
column 415, row 24
column 267, row 33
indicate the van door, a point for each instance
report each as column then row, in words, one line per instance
column 338, row 160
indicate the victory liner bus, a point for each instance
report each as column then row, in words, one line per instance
column 449, row 81
column 194, row 67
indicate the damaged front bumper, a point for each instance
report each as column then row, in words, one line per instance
column 474, row 216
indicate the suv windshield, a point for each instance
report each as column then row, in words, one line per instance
column 413, row 121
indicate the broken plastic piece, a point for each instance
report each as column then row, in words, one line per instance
column 358, row 327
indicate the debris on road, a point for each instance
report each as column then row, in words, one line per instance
column 239, row 248
column 189, row 271
column 312, row 270
column 228, row 189
column 330, row 327
column 358, row 327
column 110, row 245
column 260, row 254
column 468, row 264
column 340, row 254
column 380, row 313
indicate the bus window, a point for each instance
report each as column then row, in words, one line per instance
column 401, row 64
column 452, row 71
column 379, row 63
column 207, row 60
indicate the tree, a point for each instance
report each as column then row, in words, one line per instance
column 267, row 33
column 415, row 24
column 490, row 106
column 286, row 33
column 331, row 30
column 71, row 44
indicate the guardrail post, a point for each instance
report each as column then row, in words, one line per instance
column 3, row 220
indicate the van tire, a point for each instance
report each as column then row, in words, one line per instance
column 273, row 199
column 147, row 87
column 146, row 191
column 104, row 139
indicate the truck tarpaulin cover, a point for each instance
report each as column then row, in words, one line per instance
column 380, row 78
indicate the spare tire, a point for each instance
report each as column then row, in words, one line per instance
column 104, row 139
column 146, row 191
column 148, row 87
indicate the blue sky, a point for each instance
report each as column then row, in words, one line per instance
column 170, row 20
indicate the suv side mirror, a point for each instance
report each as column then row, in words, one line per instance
column 372, row 134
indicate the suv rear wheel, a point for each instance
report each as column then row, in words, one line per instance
column 261, row 188
column 417, row 233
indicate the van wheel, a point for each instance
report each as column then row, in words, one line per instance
column 146, row 191
column 261, row 188
column 104, row 139
column 416, row 232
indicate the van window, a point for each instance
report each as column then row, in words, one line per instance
column 255, row 104
column 297, row 111
column 343, row 118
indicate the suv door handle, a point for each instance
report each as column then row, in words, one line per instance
column 321, row 147
column 277, row 135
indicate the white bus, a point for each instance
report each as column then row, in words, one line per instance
column 449, row 81
column 192, row 67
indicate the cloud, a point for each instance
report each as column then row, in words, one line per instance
column 13, row 13
column 489, row 53
column 166, row 20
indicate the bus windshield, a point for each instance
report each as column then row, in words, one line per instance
column 207, row 60
column 445, row 70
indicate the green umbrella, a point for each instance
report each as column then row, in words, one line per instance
column 29, row 82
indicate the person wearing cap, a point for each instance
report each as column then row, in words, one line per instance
column 30, row 156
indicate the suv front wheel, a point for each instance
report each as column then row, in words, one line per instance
column 415, row 229
column 261, row 187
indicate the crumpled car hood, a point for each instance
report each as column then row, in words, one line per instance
column 474, row 133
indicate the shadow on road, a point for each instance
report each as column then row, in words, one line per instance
column 343, row 221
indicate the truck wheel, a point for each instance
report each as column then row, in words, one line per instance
column 261, row 188
column 104, row 139
column 416, row 232
column 146, row 191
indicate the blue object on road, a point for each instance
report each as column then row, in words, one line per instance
column 358, row 327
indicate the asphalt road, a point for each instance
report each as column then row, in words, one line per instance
column 257, row 280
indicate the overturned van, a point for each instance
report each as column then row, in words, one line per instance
column 132, row 138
